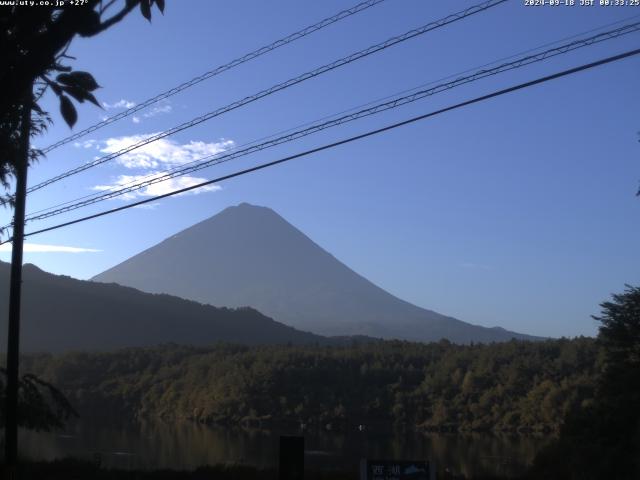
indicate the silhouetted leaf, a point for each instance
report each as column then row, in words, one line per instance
column 68, row 111
column 89, row 96
column 80, row 95
column 80, row 79
column 88, row 23
column 160, row 4
column 75, row 92
column 56, row 88
column 145, row 8
column 65, row 78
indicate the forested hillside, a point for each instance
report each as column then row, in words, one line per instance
column 60, row 313
column 505, row 386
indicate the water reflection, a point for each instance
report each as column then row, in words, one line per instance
column 186, row 445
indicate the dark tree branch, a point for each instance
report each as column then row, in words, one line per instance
column 104, row 8
column 114, row 19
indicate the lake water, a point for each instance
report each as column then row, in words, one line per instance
column 155, row 445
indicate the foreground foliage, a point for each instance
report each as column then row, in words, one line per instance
column 34, row 40
column 518, row 385
column 40, row 405
column 603, row 440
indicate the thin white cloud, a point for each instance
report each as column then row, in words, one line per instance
column 158, row 110
column 148, row 206
column 119, row 104
column 161, row 108
column 42, row 248
column 159, row 188
column 86, row 144
column 164, row 152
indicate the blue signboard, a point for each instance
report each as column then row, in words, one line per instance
column 394, row 470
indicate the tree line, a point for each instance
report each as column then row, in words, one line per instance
column 512, row 386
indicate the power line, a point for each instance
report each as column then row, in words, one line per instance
column 387, row 97
column 293, row 81
column 371, row 102
column 210, row 160
column 218, row 70
column 360, row 106
column 370, row 133
column 281, row 86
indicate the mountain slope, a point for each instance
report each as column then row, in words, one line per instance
column 248, row 255
column 61, row 313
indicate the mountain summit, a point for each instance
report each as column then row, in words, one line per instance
column 250, row 256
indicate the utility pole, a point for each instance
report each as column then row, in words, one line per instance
column 13, row 341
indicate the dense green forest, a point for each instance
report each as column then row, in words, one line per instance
column 518, row 385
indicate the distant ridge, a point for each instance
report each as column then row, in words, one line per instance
column 60, row 313
column 250, row 255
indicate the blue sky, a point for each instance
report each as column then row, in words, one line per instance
column 518, row 212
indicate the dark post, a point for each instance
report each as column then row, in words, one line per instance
column 291, row 466
column 13, row 341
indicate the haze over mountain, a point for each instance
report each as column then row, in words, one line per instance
column 61, row 313
column 250, row 256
